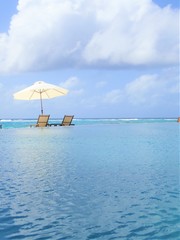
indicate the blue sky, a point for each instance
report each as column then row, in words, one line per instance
column 117, row 58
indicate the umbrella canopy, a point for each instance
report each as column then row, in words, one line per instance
column 40, row 90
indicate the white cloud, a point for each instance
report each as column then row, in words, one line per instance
column 142, row 88
column 71, row 82
column 140, row 34
column 52, row 34
column 114, row 96
column 146, row 89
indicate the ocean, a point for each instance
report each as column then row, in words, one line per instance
column 25, row 123
column 101, row 179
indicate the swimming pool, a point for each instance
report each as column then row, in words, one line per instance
column 96, row 181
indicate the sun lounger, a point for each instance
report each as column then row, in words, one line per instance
column 42, row 121
column 67, row 121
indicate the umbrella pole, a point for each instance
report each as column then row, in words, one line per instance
column 41, row 104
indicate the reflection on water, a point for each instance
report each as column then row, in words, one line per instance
column 90, row 182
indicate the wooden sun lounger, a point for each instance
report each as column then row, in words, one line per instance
column 42, row 121
column 67, row 121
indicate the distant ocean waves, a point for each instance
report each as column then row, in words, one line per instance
column 21, row 123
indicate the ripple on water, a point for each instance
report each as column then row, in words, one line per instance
column 90, row 183
column 101, row 234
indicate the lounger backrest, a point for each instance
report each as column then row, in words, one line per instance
column 67, row 120
column 43, row 120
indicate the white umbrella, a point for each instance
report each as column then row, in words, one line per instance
column 40, row 90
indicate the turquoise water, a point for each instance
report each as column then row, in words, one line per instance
column 21, row 123
column 95, row 180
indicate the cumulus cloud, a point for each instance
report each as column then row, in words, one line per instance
column 148, row 89
column 71, row 82
column 74, row 85
column 52, row 34
column 140, row 33
column 142, row 88
column 114, row 96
